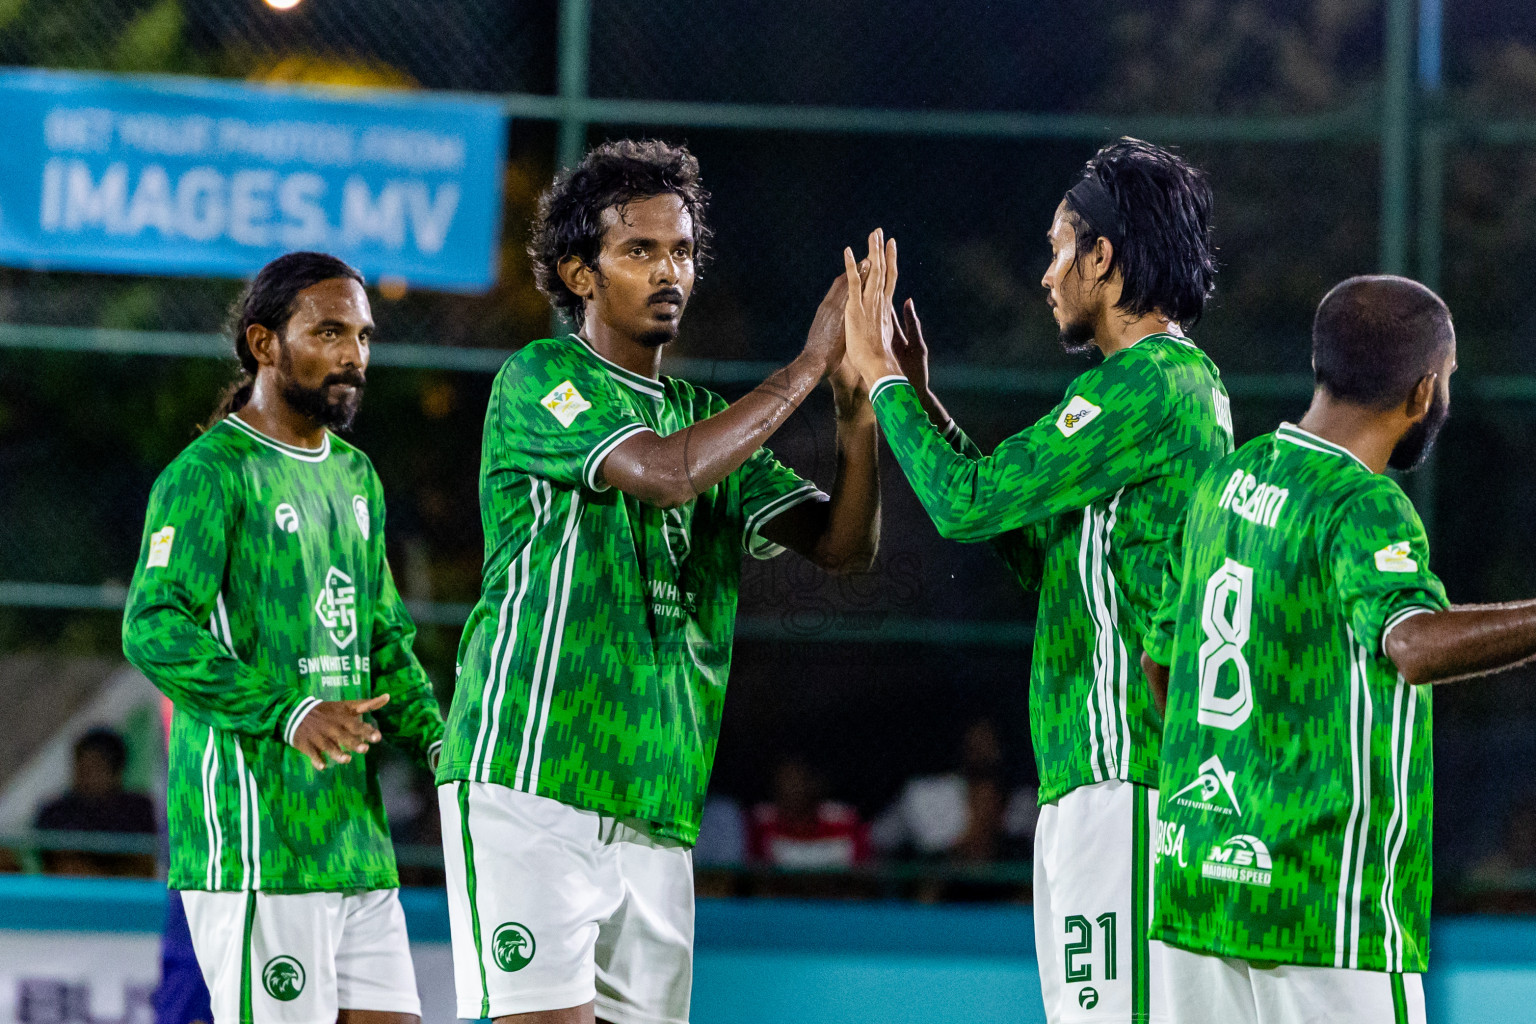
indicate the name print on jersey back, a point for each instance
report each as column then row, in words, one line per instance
column 1256, row 502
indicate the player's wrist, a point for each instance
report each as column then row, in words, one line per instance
column 295, row 716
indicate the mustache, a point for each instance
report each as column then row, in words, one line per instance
column 353, row 377
column 667, row 295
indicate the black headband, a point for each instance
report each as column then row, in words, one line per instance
column 1091, row 201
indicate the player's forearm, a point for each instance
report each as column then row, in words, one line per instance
column 670, row 471
column 1464, row 641
column 201, row 678
column 852, row 534
column 946, row 482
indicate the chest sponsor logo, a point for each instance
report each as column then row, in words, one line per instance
column 336, row 607
column 1397, row 558
column 1212, row 790
column 360, row 510
column 1078, row 414
column 287, row 518
column 160, row 548
column 565, row 403
column 1243, row 859
column 1170, row 842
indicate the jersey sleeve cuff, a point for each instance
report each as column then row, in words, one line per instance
column 885, row 384
column 1400, row 617
column 602, row 450
column 760, row 547
column 296, row 716
column 434, row 754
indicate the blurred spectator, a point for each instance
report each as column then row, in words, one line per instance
column 966, row 816
column 800, row 829
column 97, row 802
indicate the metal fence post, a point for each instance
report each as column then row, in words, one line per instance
column 1431, row 212
column 1396, row 133
column 575, row 47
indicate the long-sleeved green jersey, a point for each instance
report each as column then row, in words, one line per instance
column 1084, row 504
column 261, row 590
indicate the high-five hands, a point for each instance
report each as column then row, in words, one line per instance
column 868, row 321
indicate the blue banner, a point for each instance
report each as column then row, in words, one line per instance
column 185, row 176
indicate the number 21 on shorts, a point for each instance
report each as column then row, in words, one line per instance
column 1079, row 952
column 1227, row 619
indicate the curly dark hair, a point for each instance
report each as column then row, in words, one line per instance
column 613, row 174
column 1155, row 209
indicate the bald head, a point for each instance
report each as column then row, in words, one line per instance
column 1375, row 337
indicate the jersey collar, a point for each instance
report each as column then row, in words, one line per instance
column 1306, row 439
column 292, row 451
column 1163, row 334
column 628, row 378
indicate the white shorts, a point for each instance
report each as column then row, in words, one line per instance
column 1093, row 907
column 551, row 906
column 299, row 958
column 1216, row 990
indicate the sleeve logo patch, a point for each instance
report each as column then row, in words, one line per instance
column 1396, row 558
column 1078, row 414
column 160, row 548
column 565, row 403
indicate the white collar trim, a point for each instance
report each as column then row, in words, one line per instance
column 291, row 450
column 1322, row 443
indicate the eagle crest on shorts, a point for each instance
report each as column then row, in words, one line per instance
column 512, row 945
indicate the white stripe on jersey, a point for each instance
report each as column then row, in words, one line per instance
column 1402, row 749
column 554, row 647
column 1085, row 544
column 554, row 609
column 501, row 650
column 1123, row 720
column 211, row 811
column 1106, row 727
column 1357, row 780
column 1361, row 658
column 243, row 783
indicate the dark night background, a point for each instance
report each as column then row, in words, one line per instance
column 83, row 436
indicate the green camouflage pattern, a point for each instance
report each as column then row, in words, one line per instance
column 593, row 669
column 261, row 589
column 1083, row 505
column 1297, row 807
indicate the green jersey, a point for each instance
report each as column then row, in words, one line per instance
column 593, row 669
column 261, row 590
column 1083, row 505
column 1295, row 820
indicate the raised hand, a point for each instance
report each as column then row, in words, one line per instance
column 909, row 348
column 868, row 318
column 911, row 352
column 825, row 341
column 335, row 729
